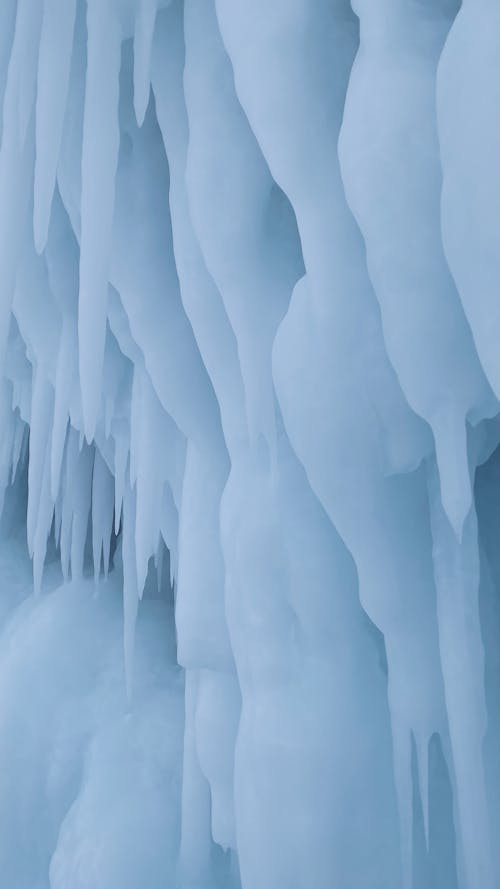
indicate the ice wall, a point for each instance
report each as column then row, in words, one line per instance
column 250, row 444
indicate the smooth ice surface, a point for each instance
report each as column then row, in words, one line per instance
column 249, row 444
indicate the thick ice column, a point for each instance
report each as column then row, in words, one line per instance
column 143, row 272
column 39, row 322
column 54, row 64
column 16, row 160
column 343, row 424
column 62, row 270
column 468, row 92
column 130, row 586
column 301, row 737
column 69, row 168
column 7, row 29
column 487, row 499
column 393, row 183
column 145, row 18
column 254, row 267
column 203, row 641
column 156, row 458
column 456, row 567
column 201, row 299
column 102, row 514
column 195, row 863
column 99, row 164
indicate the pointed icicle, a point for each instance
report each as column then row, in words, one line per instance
column 130, row 592
column 403, row 777
column 28, row 25
column 70, row 469
column 15, row 182
column 102, row 513
column 62, row 268
column 456, row 572
column 7, row 424
column 151, row 444
column 7, row 28
column 99, row 164
column 422, row 746
column 143, row 42
column 169, row 527
column 159, row 560
column 450, row 438
column 65, row 375
column 58, row 519
column 43, row 526
column 54, row 64
column 81, row 509
column 136, row 420
column 114, row 368
column 120, row 468
column 41, row 420
column 17, row 445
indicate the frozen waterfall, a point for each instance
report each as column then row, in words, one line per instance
column 249, row 444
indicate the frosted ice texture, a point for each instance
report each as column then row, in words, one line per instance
column 250, row 443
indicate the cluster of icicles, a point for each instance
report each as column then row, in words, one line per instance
column 250, row 321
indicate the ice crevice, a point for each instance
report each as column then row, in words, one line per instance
column 249, row 444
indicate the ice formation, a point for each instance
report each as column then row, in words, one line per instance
column 250, row 444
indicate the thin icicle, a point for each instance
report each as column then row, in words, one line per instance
column 20, row 433
column 41, row 419
column 145, row 17
column 64, row 383
column 54, row 63
column 120, row 468
column 102, row 514
column 456, row 568
column 43, row 526
column 81, row 508
column 130, row 591
column 26, row 44
column 99, row 164
column 422, row 745
column 70, row 469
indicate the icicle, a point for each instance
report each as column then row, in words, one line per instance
column 102, row 514
column 62, row 270
column 130, row 591
column 82, row 488
column 66, row 361
column 58, row 519
column 159, row 559
column 21, row 432
column 43, row 525
column 99, row 165
column 15, row 186
column 152, row 445
column 115, row 366
column 70, row 469
column 401, row 736
column 136, row 419
column 454, row 476
column 120, row 467
column 169, row 528
column 41, row 419
column 7, row 424
column 456, row 568
column 54, row 63
column 422, row 745
column 7, row 26
column 143, row 41
column 26, row 43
